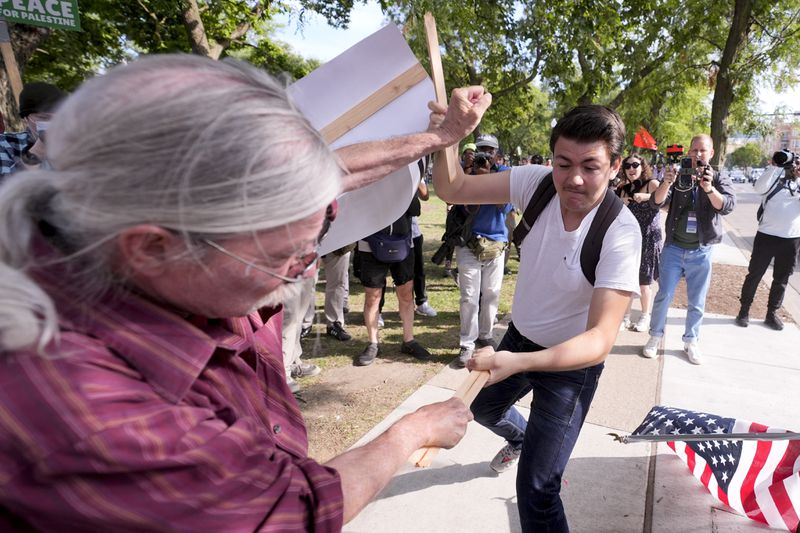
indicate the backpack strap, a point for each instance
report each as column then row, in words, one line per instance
column 590, row 251
column 776, row 188
column 607, row 212
column 541, row 197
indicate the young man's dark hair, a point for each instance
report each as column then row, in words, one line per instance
column 588, row 123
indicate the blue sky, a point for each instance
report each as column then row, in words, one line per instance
column 318, row 40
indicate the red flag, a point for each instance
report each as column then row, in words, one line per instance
column 759, row 479
column 643, row 139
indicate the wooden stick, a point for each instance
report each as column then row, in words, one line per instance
column 373, row 103
column 437, row 74
column 10, row 60
column 467, row 391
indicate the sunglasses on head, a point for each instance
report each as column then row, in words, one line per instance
column 635, row 164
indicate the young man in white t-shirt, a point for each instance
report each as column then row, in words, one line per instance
column 562, row 327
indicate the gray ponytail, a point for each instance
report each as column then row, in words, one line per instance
column 27, row 314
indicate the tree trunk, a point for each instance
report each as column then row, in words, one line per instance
column 195, row 29
column 725, row 82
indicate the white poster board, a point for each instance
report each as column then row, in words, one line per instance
column 340, row 85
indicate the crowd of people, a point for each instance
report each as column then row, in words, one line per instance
column 158, row 269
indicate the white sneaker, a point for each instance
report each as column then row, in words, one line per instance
column 505, row 458
column 425, row 309
column 650, row 349
column 626, row 323
column 380, row 320
column 693, row 352
column 643, row 324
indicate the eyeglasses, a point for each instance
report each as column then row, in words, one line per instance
column 626, row 166
column 308, row 260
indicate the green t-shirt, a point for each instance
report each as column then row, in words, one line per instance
column 681, row 237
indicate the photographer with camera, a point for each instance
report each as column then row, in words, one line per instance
column 778, row 236
column 480, row 268
column 697, row 197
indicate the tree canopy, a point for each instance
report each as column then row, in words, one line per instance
column 675, row 67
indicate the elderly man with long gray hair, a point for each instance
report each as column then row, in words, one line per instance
column 141, row 380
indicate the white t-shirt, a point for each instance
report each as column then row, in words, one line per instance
column 782, row 212
column 552, row 296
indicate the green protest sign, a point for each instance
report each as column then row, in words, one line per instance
column 61, row 14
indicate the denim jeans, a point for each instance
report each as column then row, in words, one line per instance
column 560, row 403
column 695, row 265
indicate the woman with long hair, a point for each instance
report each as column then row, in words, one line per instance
column 634, row 187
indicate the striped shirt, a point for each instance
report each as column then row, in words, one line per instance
column 147, row 421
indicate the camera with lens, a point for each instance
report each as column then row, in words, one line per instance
column 481, row 159
column 688, row 171
column 784, row 158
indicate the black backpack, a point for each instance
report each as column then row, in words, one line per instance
column 593, row 244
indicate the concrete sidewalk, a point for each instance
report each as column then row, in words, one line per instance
column 609, row 487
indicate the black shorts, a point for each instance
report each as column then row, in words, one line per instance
column 373, row 272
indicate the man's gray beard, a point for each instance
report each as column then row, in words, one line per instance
column 280, row 295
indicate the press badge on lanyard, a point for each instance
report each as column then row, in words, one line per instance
column 691, row 220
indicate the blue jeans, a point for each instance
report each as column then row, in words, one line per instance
column 560, row 403
column 695, row 265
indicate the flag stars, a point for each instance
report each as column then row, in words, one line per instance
column 718, row 430
column 697, row 430
column 689, row 421
column 723, row 460
column 716, row 444
column 669, row 423
column 714, row 460
column 731, row 458
column 711, row 421
column 724, row 476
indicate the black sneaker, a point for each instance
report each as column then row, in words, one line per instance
column 416, row 350
column 742, row 320
column 464, row 355
column 338, row 332
column 368, row 355
column 772, row 321
column 483, row 343
column 305, row 332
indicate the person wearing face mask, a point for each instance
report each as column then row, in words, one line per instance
column 634, row 188
column 25, row 149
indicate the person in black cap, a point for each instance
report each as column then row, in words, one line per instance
column 23, row 149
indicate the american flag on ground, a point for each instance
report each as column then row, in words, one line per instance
column 758, row 478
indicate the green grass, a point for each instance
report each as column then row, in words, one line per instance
column 439, row 334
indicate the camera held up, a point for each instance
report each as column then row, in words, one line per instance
column 784, row 158
column 688, row 172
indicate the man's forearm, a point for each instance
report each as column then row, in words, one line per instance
column 660, row 195
column 366, row 470
column 370, row 161
column 587, row 349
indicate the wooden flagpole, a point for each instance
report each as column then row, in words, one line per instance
column 10, row 60
column 437, row 74
column 475, row 380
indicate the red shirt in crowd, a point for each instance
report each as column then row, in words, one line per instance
column 144, row 420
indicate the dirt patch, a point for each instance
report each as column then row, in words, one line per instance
column 349, row 401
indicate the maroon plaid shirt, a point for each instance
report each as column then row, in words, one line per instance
column 145, row 421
